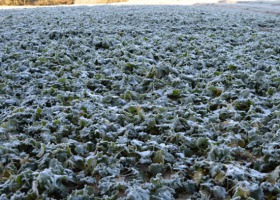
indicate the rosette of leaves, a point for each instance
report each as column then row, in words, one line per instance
column 136, row 192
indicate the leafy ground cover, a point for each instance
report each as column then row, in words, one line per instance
column 138, row 102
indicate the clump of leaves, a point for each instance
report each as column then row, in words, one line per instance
column 243, row 105
column 174, row 94
column 202, row 143
column 216, row 91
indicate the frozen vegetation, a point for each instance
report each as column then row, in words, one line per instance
column 138, row 102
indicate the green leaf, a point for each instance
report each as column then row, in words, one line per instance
column 232, row 67
column 159, row 157
column 38, row 111
column 156, row 168
column 241, row 191
column 202, row 143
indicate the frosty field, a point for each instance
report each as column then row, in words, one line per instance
column 139, row 102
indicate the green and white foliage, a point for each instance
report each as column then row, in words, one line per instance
column 137, row 102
